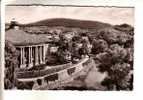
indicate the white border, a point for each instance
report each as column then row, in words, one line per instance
column 2, row 39
column 57, row 95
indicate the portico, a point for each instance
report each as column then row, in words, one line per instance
column 31, row 55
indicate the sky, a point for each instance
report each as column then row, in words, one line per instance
column 28, row 14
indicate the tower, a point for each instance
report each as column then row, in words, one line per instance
column 14, row 24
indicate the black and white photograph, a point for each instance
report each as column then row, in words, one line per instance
column 84, row 48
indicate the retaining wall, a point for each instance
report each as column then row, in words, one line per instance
column 58, row 78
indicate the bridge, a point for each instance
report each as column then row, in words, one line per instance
column 56, row 76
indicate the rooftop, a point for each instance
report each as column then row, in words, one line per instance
column 19, row 37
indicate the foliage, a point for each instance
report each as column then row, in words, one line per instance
column 63, row 50
column 115, row 54
column 99, row 45
column 119, row 77
column 11, row 62
column 112, row 36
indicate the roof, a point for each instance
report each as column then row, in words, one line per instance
column 20, row 37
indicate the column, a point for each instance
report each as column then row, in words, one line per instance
column 36, row 55
column 24, row 59
column 23, row 65
column 29, row 59
column 44, row 54
column 40, row 52
column 29, row 56
column 21, row 58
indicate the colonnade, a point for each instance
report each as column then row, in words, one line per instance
column 31, row 56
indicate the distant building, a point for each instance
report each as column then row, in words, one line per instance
column 32, row 47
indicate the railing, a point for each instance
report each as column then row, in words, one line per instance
column 38, row 73
column 42, row 73
column 61, row 83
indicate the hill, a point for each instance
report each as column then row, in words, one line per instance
column 85, row 24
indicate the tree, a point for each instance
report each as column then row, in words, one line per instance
column 113, row 50
column 129, row 56
column 98, row 46
column 110, row 35
column 84, row 50
column 119, row 77
column 11, row 63
column 63, row 50
column 113, row 61
column 63, row 56
column 118, row 53
column 105, row 61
